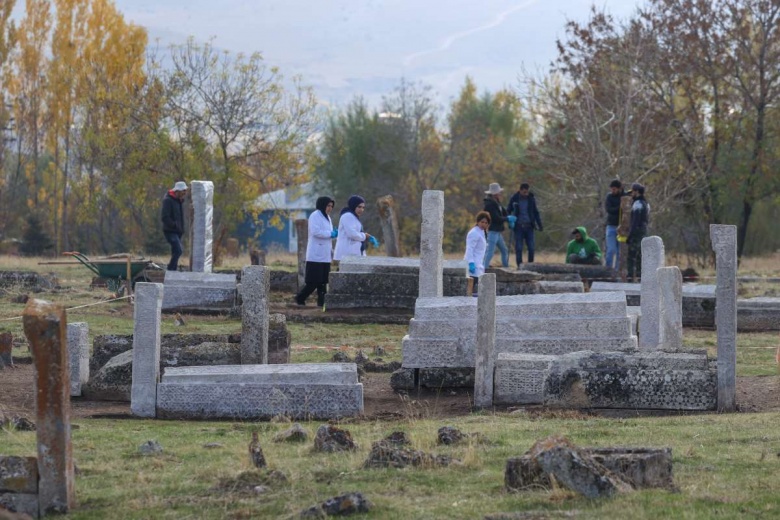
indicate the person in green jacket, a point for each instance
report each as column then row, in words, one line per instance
column 583, row 249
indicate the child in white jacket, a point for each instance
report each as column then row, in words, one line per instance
column 351, row 235
column 476, row 244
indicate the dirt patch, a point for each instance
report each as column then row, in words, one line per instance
column 17, row 397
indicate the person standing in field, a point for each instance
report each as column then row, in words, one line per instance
column 351, row 237
column 476, row 244
column 173, row 221
column 498, row 215
column 522, row 206
column 319, row 252
column 640, row 218
column 612, row 207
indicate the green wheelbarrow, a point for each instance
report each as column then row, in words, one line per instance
column 114, row 270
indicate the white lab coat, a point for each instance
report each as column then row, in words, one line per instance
column 476, row 244
column 320, row 246
column 350, row 237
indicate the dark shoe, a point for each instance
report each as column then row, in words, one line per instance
column 299, row 302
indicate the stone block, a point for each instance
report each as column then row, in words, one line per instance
column 78, row 356
column 506, row 274
column 517, row 288
column 18, row 474
column 557, row 346
column 113, row 382
column 551, row 287
column 388, row 265
column 440, row 352
column 295, row 374
column 257, row 401
column 650, row 322
column 431, row 236
column 370, row 284
column 446, row 377
column 375, row 301
column 200, row 279
column 21, row 503
column 403, row 379
column 146, row 348
column 199, row 297
column 486, row 342
column 643, row 468
column 586, row 272
column 255, row 282
column 758, row 314
column 552, row 327
column 202, row 195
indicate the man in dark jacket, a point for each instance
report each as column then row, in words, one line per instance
column 640, row 218
column 173, row 221
column 498, row 216
column 612, row 207
column 522, row 206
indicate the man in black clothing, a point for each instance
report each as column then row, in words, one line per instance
column 612, row 207
column 522, row 206
column 640, row 218
column 173, row 221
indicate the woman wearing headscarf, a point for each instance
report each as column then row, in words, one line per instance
column 351, row 235
column 318, row 252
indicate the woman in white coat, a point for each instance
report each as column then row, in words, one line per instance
column 476, row 244
column 351, row 236
column 319, row 251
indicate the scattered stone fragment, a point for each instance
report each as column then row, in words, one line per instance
column 379, row 351
column 20, row 298
column 18, row 474
column 151, row 447
column 402, row 379
column 213, row 445
column 341, row 357
column 256, row 456
column 360, row 357
column 450, row 435
column 341, row 505
column 261, row 489
column 387, row 455
column 571, row 467
column 397, row 439
column 248, row 481
column 18, row 423
column 296, row 433
column 331, row 438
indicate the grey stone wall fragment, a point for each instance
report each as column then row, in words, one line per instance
column 78, row 355
column 146, row 348
column 670, row 292
column 255, row 282
column 724, row 243
column 202, row 193
column 486, row 341
column 649, row 323
column 431, row 236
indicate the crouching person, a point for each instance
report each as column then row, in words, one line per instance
column 476, row 245
column 583, row 249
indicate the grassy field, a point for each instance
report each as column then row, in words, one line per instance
column 725, row 466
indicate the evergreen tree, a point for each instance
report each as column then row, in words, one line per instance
column 35, row 241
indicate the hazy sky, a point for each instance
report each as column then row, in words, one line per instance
column 363, row 47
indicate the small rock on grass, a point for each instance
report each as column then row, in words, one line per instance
column 386, row 455
column 330, row 438
column 341, row 505
column 341, row 357
column 213, row 445
column 18, row 423
column 150, row 447
column 296, row 433
column 256, row 456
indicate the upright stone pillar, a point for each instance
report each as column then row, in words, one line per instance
column 146, row 349
column 45, row 328
column 302, row 231
column 78, row 354
column 431, row 255
column 202, row 232
column 486, row 341
column 670, row 292
column 724, row 243
column 255, row 284
column 389, row 221
column 650, row 320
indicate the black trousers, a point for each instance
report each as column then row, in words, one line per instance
column 634, row 261
column 316, row 279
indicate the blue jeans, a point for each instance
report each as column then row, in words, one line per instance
column 613, row 249
column 524, row 233
column 174, row 239
column 495, row 238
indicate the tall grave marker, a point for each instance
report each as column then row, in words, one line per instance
column 486, row 341
column 650, row 320
column 431, row 255
column 146, row 348
column 255, row 284
column 670, row 298
column 724, row 243
column 202, row 231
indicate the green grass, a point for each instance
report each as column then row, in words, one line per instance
column 755, row 350
column 724, row 465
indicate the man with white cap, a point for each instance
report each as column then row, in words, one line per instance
column 498, row 216
column 173, row 221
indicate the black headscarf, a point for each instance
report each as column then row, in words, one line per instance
column 352, row 204
column 322, row 203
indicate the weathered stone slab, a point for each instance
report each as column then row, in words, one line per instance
column 18, row 474
column 78, row 356
column 587, row 272
column 28, row 279
column 643, row 468
column 724, row 243
column 46, row 330
column 670, row 299
column 645, row 380
column 375, row 301
column 114, row 380
column 650, row 322
column 299, row 373
column 388, row 265
column 506, row 274
column 255, row 282
column 21, row 503
column 199, row 297
column 199, row 279
column 431, row 236
column 438, row 352
column 486, row 342
column 557, row 346
column 374, row 283
column 388, row 219
column 256, row 401
column 506, row 326
column 202, row 194
column 146, row 348
column 446, row 377
column 552, row 287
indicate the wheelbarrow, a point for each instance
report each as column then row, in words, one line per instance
column 114, row 270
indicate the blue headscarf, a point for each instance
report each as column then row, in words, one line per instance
column 352, row 204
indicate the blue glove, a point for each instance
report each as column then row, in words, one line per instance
column 374, row 241
column 512, row 219
column 334, row 233
column 472, row 268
